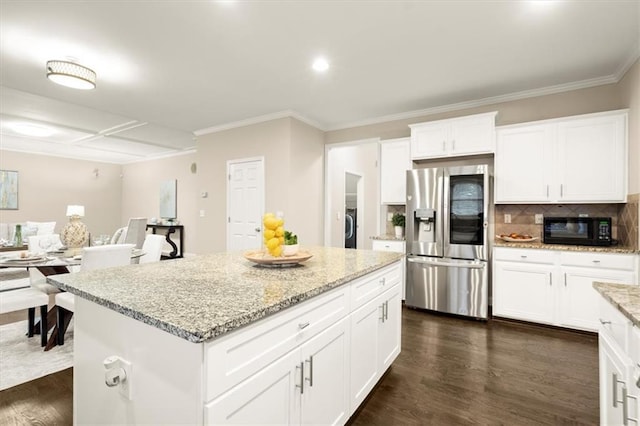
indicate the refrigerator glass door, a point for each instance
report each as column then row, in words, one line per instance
column 466, row 208
column 448, row 285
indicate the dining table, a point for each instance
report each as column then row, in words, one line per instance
column 49, row 263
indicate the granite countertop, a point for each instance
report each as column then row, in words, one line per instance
column 202, row 297
column 626, row 298
column 561, row 247
column 387, row 237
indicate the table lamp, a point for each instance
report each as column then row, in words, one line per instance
column 75, row 234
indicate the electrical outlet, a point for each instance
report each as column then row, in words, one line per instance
column 389, row 217
column 201, row 213
column 507, row 218
column 583, row 215
column 539, row 219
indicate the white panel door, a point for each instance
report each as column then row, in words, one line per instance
column 524, row 164
column 395, row 160
column 245, row 204
column 429, row 141
column 271, row 396
column 325, row 398
column 579, row 300
column 523, row 291
column 592, row 151
column 364, row 349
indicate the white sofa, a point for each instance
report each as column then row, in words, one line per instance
column 29, row 228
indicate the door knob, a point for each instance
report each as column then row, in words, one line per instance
column 257, row 229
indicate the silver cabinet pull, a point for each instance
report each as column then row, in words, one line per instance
column 386, row 310
column 565, row 279
column 625, row 407
column 595, row 261
column 301, row 385
column 444, row 145
column 382, row 312
column 383, row 281
column 603, row 322
column 547, row 191
column 550, row 278
column 310, row 378
column 561, row 191
column 625, row 410
column 303, row 325
column 614, row 393
column 523, row 256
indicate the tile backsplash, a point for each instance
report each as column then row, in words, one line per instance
column 624, row 218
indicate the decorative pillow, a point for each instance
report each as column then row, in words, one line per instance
column 42, row 228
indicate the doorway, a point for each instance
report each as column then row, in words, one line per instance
column 245, row 203
column 352, row 198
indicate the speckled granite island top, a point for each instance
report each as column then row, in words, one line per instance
column 562, row 247
column 626, row 298
column 202, row 297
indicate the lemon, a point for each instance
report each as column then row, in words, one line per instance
column 271, row 223
column 280, row 221
column 276, row 252
column 270, row 233
column 281, row 239
column 279, row 231
column 273, row 243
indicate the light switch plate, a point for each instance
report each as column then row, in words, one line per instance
column 539, row 219
column 507, row 218
column 389, row 217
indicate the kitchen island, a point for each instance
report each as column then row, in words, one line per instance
column 216, row 339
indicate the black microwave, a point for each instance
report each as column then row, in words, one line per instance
column 584, row 231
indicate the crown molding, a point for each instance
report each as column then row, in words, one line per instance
column 549, row 90
column 163, row 156
column 260, row 119
column 633, row 57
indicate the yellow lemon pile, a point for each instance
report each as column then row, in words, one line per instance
column 273, row 234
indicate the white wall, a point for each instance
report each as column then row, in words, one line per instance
column 361, row 159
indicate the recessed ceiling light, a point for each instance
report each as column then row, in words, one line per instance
column 31, row 129
column 320, row 65
column 72, row 75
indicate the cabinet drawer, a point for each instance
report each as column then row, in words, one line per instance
column 524, row 255
column 598, row 260
column 614, row 324
column 366, row 289
column 388, row 245
column 235, row 357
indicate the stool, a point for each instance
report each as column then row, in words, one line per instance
column 27, row 298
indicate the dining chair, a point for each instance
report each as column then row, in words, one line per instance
column 97, row 257
column 136, row 231
column 119, row 235
column 152, row 248
column 41, row 243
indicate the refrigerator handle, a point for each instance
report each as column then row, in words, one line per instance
column 450, row 264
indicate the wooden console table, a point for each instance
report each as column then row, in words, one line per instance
column 167, row 230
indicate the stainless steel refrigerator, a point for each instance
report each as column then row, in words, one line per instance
column 447, row 236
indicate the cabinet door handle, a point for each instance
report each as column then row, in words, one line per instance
column 382, row 312
column 523, row 256
column 301, row 385
column 614, row 393
column 625, row 407
column 565, row 279
column 595, row 261
column 550, row 278
column 547, row 191
column 303, row 325
column 453, row 145
column 603, row 322
column 561, row 191
column 310, row 378
column 383, row 281
column 444, row 145
column 386, row 310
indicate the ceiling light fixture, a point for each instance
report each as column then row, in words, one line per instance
column 71, row 75
column 31, row 129
column 320, row 65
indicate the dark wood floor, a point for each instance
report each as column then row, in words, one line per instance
column 454, row 371
column 451, row 372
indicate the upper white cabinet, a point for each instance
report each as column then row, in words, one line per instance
column 474, row 134
column 580, row 159
column 395, row 160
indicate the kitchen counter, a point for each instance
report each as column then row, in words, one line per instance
column 626, row 298
column 206, row 296
column 561, row 247
column 388, row 237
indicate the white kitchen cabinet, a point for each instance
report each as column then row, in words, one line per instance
column 523, row 291
column 570, row 160
column 470, row 135
column 306, row 386
column 618, row 355
column 555, row 287
column 395, row 160
column 393, row 246
column 375, row 342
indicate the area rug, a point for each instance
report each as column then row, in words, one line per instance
column 22, row 359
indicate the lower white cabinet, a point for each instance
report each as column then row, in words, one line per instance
column 523, row 291
column 619, row 390
column 554, row 287
column 393, row 246
column 375, row 342
column 306, row 386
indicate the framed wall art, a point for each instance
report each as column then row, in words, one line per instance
column 8, row 190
